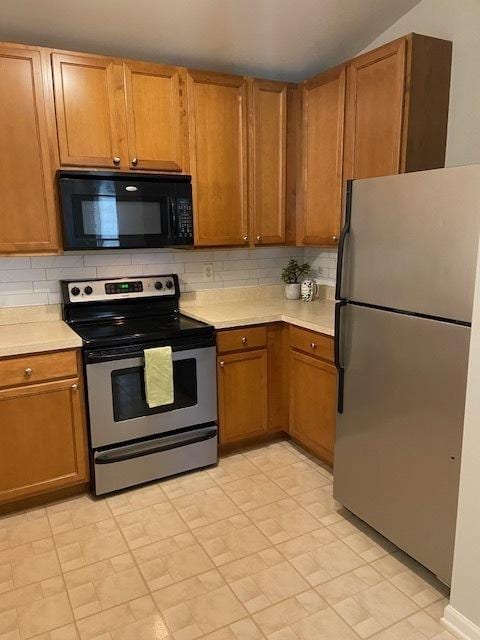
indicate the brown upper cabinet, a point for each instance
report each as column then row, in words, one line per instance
column 267, row 108
column 28, row 214
column 90, row 110
column 322, row 149
column 376, row 95
column 249, row 144
column 156, row 116
column 386, row 114
column 119, row 114
column 218, row 157
column 244, row 189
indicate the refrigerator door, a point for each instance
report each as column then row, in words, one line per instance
column 398, row 440
column 413, row 242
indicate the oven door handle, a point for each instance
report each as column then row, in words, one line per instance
column 158, row 445
column 115, row 356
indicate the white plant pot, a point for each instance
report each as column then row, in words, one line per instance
column 292, row 291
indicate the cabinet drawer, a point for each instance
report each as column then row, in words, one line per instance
column 316, row 344
column 239, row 339
column 37, row 368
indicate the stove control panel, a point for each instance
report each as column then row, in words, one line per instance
column 120, row 288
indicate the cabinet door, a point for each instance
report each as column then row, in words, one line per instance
column 218, row 153
column 242, row 395
column 89, row 100
column 42, row 439
column 323, row 123
column 267, row 160
column 374, row 112
column 27, row 210
column 312, row 403
column 155, row 124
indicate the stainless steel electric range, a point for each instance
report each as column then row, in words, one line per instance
column 117, row 320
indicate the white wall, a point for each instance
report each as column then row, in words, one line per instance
column 465, row 595
column 459, row 21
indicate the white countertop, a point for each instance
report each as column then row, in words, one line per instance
column 317, row 315
column 34, row 337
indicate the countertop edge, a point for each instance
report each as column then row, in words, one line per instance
column 274, row 317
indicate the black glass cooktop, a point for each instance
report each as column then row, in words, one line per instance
column 141, row 329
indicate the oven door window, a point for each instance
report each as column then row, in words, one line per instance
column 128, row 390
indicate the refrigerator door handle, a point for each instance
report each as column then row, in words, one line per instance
column 343, row 237
column 338, row 353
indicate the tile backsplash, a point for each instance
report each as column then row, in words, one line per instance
column 323, row 263
column 35, row 280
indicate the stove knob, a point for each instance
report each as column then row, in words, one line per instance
column 74, row 291
column 169, row 284
column 88, row 290
column 159, row 285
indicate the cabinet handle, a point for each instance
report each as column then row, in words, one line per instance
column 334, row 238
column 245, row 238
column 259, row 238
column 222, row 363
column 116, row 161
column 74, row 387
column 134, row 162
column 28, row 372
column 313, row 345
column 244, row 340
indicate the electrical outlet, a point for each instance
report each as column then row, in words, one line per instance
column 208, row 271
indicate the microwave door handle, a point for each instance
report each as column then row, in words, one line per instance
column 172, row 217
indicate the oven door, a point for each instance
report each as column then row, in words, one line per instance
column 116, row 397
column 105, row 212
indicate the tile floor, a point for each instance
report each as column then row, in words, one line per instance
column 254, row 549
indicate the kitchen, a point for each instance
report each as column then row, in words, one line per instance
column 245, row 172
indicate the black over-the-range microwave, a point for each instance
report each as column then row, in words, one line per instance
column 107, row 210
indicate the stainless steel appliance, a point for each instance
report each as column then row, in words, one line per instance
column 131, row 443
column 405, row 287
column 105, row 210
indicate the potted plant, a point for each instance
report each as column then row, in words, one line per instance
column 291, row 275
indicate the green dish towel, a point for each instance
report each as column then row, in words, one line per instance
column 158, row 376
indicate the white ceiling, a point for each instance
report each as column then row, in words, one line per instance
column 283, row 39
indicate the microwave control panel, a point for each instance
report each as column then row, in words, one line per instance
column 184, row 218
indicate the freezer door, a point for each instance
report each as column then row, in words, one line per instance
column 398, row 440
column 413, row 242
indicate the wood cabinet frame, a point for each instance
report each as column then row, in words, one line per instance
column 115, row 118
column 45, row 130
column 177, row 77
column 337, row 76
column 284, row 345
column 240, row 236
column 257, row 181
column 397, row 49
column 79, row 475
column 224, row 361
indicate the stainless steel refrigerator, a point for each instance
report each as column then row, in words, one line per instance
column 406, row 274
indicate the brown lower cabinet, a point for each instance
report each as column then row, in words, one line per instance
column 312, row 403
column 273, row 379
column 242, row 395
column 43, row 444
